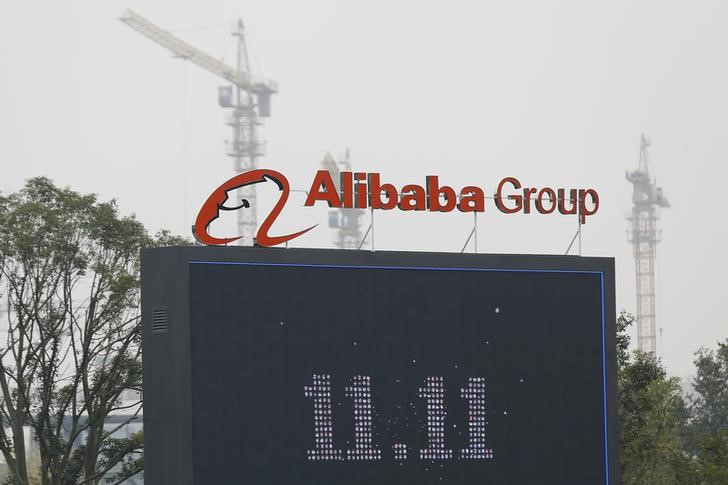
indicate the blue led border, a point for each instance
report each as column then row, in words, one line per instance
column 489, row 270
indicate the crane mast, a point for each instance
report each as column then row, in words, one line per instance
column 247, row 100
column 647, row 198
column 346, row 223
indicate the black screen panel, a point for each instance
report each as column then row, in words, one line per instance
column 363, row 374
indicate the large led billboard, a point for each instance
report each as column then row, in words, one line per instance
column 273, row 366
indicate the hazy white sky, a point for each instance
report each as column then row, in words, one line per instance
column 555, row 93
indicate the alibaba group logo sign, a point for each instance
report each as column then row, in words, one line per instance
column 216, row 202
column 359, row 190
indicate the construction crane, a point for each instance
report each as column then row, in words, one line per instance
column 346, row 223
column 247, row 99
column 647, row 198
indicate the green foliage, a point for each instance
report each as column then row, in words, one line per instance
column 713, row 457
column 164, row 238
column 704, row 421
column 125, row 451
column 648, row 405
column 664, row 438
column 69, row 272
column 624, row 321
column 709, row 400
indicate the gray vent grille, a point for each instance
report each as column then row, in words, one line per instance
column 159, row 320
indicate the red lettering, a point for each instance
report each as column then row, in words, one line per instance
column 416, row 201
column 360, row 190
column 434, row 191
column 517, row 198
column 375, row 194
column 562, row 201
column 527, row 199
column 472, row 199
column 550, row 196
column 323, row 188
column 583, row 211
column 347, row 190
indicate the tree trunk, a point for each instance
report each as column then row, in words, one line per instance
column 91, row 451
column 21, row 465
